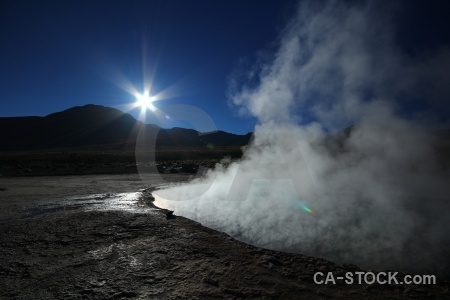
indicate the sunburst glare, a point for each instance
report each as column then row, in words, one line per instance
column 145, row 101
column 145, row 94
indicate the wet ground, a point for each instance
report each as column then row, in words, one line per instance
column 100, row 237
column 27, row 196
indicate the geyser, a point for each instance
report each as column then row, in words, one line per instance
column 371, row 195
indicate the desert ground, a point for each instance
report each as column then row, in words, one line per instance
column 102, row 237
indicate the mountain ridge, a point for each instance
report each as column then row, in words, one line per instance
column 97, row 126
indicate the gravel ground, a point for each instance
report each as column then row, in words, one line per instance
column 116, row 254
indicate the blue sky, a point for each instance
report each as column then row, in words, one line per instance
column 59, row 54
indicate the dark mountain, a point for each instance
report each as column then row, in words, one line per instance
column 99, row 127
column 222, row 138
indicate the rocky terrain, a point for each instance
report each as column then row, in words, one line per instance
column 99, row 255
column 117, row 254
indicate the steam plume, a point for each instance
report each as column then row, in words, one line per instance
column 379, row 196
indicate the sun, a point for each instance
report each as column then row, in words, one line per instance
column 144, row 101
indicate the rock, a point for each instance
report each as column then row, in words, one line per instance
column 169, row 214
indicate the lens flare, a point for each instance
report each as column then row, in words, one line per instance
column 307, row 209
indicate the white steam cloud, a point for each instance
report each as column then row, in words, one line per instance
column 379, row 196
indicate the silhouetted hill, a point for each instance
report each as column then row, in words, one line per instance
column 95, row 126
column 222, row 138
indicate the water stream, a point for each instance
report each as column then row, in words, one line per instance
column 135, row 202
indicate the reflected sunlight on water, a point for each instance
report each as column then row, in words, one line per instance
column 135, row 202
